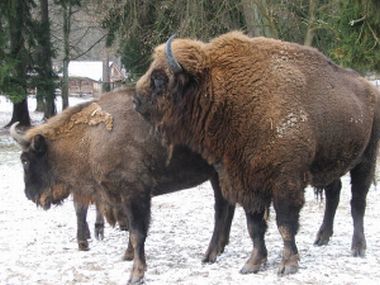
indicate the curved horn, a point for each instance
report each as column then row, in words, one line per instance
column 17, row 136
column 172, row 61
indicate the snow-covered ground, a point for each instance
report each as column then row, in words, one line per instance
column 39, row 247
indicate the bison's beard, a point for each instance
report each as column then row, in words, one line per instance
column 55, row 195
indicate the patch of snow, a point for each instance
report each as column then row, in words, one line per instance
column 290, row 121
column 39, row 247
column 6, row 107
column 89, row 69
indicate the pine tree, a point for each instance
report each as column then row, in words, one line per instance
column 45, row 78
column 16, row 22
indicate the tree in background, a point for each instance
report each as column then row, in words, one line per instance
column 357, row 26
column 81, row 33
column 45, row 77
column 17, row 39
column 67, row 13
column 139, row 25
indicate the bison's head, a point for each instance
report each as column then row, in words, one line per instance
column 174, row 76
column 40, row 186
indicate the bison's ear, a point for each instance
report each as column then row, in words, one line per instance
column 38, row 144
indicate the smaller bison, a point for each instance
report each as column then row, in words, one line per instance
column 272, row 117
column 104, row 149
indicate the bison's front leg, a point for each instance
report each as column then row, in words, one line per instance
column 83, row 232
column 122, row 219
column 361, row 179
column 138, row 213
column 332, row 192
column 257, row 227
column 129, row 253
column 224, row 213
column 288, row 201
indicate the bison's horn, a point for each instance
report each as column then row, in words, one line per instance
column 16, row 136
column 172, row 61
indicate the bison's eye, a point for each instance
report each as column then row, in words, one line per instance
column 25, row 163
column 159, row 80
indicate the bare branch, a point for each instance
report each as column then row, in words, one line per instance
column 91, row 47
column 353, row 22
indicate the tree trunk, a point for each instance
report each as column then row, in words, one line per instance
column 65, row 84
column 263, row 16
column 20, row 114
column 106, row 74
column 252, row 18
column 66, row 59
column 18, row 52
column 40, row 102
column 46, row 86
column 310, row 33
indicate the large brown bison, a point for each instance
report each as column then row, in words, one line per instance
column 104, row 149
column 272, row 117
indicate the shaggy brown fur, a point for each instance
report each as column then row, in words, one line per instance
column 105, row 150
column 272, row 117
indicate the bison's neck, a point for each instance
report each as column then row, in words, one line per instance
column 186, row 123
column 71, row 155
column 210, row 124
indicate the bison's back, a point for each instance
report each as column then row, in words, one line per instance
column 286, row 102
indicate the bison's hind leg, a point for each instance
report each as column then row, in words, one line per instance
column 332, row 193
column 288, row 199
column 99, row 223
column 224, row 213
column 361, row 179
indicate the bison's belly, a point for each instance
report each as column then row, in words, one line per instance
column 327, row 169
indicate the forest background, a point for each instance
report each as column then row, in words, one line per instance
column 36, row 35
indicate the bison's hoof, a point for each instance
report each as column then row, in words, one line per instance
column 358, row 246
column 83, row 245
column 323, row 237
column 250, row 268
column 321, row 240
column 358, row 252
column 128, row 255
column 214, row 250
column 137, row 275
column 255, row 262
column 99, row 231
column 209, row 258
column 211, row 255
column 289, row 266
column 136, row 281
